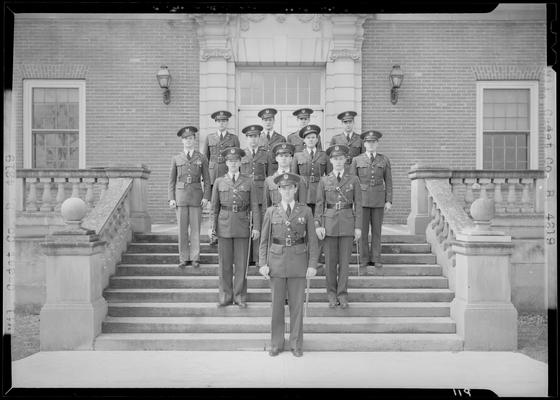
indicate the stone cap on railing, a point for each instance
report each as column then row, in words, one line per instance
column 450, row 208
column 418, row 171
column 139, row 171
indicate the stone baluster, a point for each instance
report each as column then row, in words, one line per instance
column 89, row 191
column 456, row 185
column 435, row 215
column 511, row 198
column 104, row 182
column 75, row 187
column 46, row 199
column 485, row 184
column 61, row 193
column 32, row 198
column 444, row 231
column 498, row 197
column 448, row 237
column 440, row 225
column 469, row 195
column 527, row 205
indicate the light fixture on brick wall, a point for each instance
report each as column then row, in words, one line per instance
column 164, row 79
column 395, row 77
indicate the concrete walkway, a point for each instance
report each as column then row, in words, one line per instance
column 505, row 373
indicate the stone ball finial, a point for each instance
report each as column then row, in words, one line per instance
column 482, row 210
column 73, row 209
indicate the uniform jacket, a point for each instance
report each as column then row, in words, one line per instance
column 213, row 148
column 271, row 196
column 297, row 141
column 347, row 192
column 311, row 170
column 185, row 186
column 288, row 261
column 257, row 168
column 241, row 194
column 268, row 145
column 355, row 146
column 375, row 179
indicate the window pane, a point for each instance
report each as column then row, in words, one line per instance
column 280, row 87
column 303, row 90
column 315, row 88
column 55, row 150
column 257, row 89
column 509, row 108
column 268, row 89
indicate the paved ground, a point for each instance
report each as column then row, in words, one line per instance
column 505, row 373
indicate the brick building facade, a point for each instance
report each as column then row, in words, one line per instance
column 446, row 59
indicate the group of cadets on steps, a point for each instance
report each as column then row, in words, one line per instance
column 276, row 204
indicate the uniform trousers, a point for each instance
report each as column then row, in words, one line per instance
column 296, row 300
column 232, row 283
column 254, row 253
column 338, row 250
column 188, row 220
column 373, row 216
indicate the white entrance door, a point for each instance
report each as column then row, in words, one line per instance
column 285, row 89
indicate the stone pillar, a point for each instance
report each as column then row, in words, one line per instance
column 74, row 309
column 217, row 71
column 482, row 309
column 344, row 72
column 419, row 216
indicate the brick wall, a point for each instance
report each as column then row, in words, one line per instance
column 434, row 120
column 126, row 120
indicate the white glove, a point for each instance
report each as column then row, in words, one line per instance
column 357, row 234
column 204, row 203
column 264, row 271
column 387, row 206
column 211, row 233
column 320, row 232
column 172, row 204
column 255, row 234
column 310, row 272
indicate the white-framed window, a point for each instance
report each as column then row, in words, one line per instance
column 507, row 125
column 54, row 122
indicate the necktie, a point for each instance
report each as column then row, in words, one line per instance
column 371, row 157
column 312, row 153
column 338, row 177
column 254, row 153
column 347, row 138
column 233, row 178
column 268, row 135
column 188, row 155
column 221, row 136
column 288, row 210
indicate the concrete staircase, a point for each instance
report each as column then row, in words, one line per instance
column 153, row 305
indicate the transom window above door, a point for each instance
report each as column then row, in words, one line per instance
column 280, row 87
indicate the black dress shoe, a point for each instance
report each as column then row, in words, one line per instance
column 273, row 352
column 182, row 265
column 297, row 352
column 371, row 263
column 195, row 264
column 252, row 263
column 364, row 265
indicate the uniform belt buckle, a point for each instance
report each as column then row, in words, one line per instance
column 234, row 208
column 189, row 179
column 338, row 206
column 288, row 242
column 220, row 159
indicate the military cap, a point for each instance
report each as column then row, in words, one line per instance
column 306, row 130
column 337, row 150
column 252, row 130
column 287, row 179
column 267, row 113
column 232, row 153
column 283, row 148
column 371, row 135
column 221, row 115
column 187, row 131
column 347, row 115
column 303, row 112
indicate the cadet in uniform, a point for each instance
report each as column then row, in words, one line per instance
column 233, row 196
column 283, row 153
column 302, row 115
column 255, row 164
column 338, row 220
column 288, row 255
column 348, row 137
column 216, row 142
column 269, row 137
column 374, row 171
column 186, row 196
column 310, row 164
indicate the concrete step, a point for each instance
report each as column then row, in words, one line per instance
column 204, row 239
column 262, row 325
column 389, row 309
column 173, row 248
column 212, row 269
column 260, row 295
column 261, row 341
column 212, row 258
column 170, row 282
